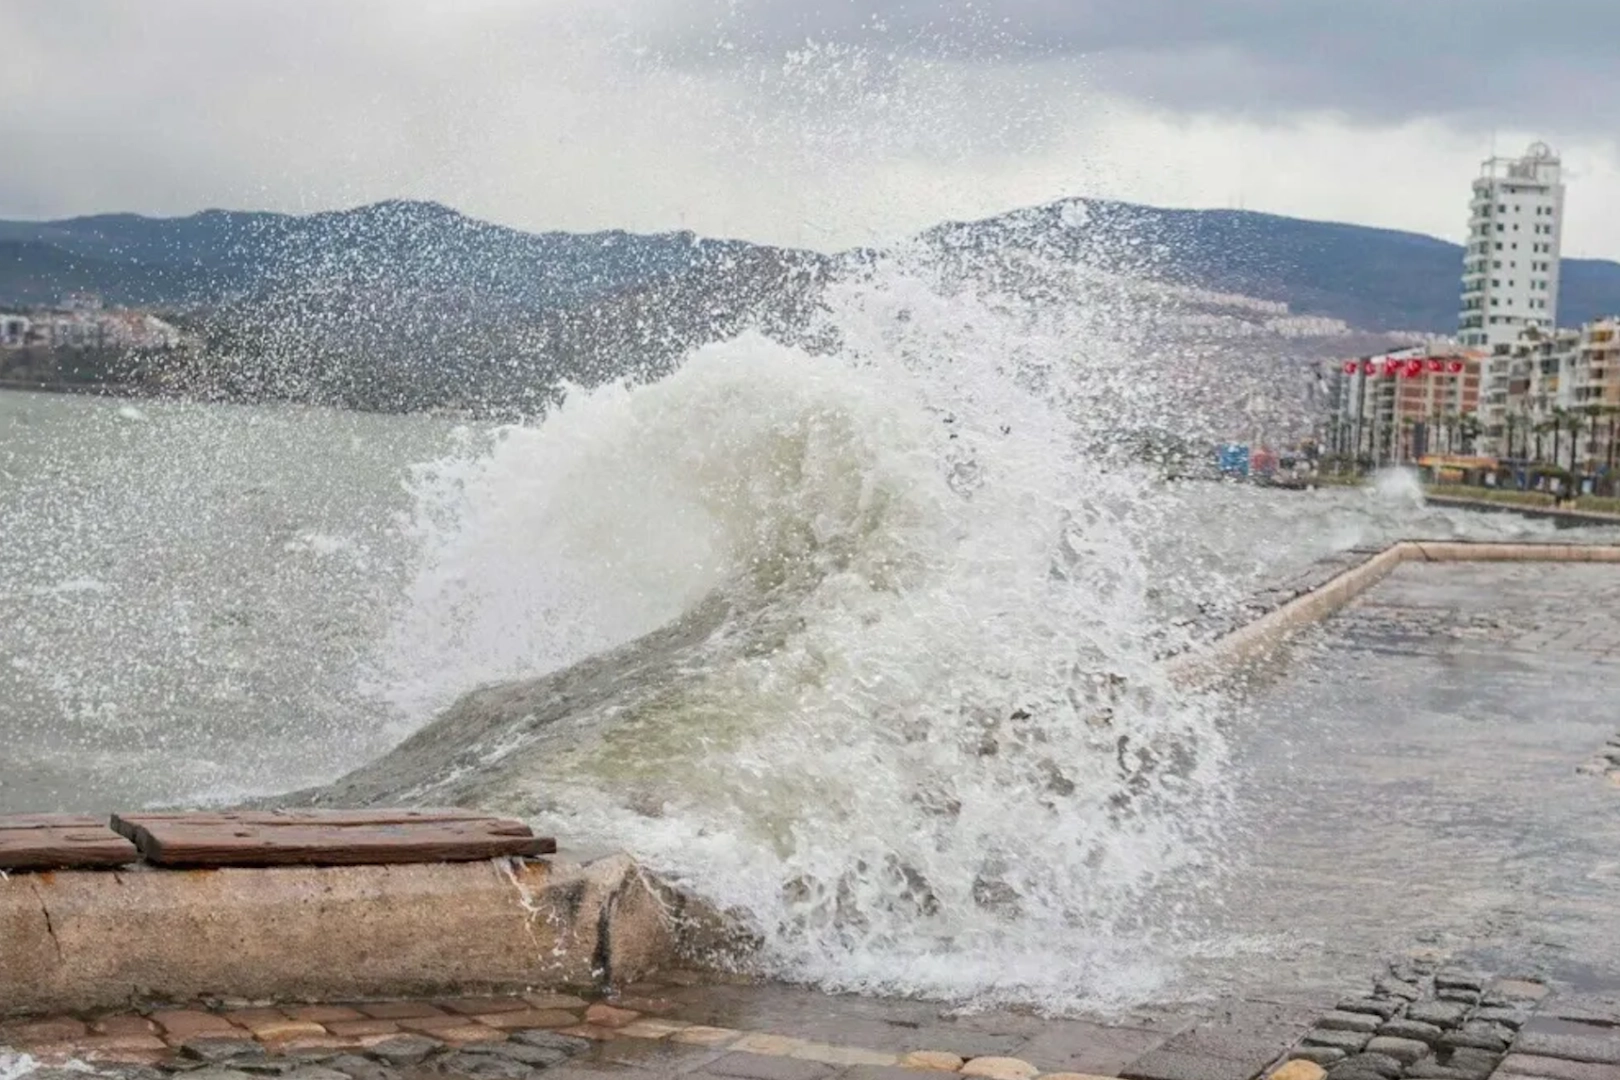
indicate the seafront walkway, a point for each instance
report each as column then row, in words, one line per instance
column 1431, row 800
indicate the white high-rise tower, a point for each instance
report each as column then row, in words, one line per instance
column 1510, row 265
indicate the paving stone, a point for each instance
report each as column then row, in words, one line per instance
column 1348, row 1021
column 323, row 1014
column 122, row 1048
column 398, row 1010
column 284, row 1030
column 1555, row 1068
column 1481, row 1036
column 555, row 1001
column 1385, row 1065
column 351, row 1029
column 314, row 1072
column 403, row 1049
column 890, row 1072
column 479, row 1006
column 215, row 1049
column 1477, row 1064
column 1374, row 1006
column 1505, row 1015
column 1441, row 1013
column 1000, row 1068
column 1405, row 1051
column 181, row 1024
column 1429, row 1069
column 608, row 1016
column 1298, row 1069
column 652, row 1028
column 1164, row 1064
column 1394, row 988
column 1462, row 980
column 128, row 1024
column 215, row 1072
column 767, row 1067
column 1350, row 1042
column 935, row 1060
column 701, row 1035
column 529, row 1018
column 1572, row 1047
column 539, row 1056
column 361, row 1068
column 1412, row 1029
column 552, row 1040
column 483, row 1066
column 1466, row 997
column 1322, row 1055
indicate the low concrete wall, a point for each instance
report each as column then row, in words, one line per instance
column 1560, row 514
column 84, row 940
column 1227, row 655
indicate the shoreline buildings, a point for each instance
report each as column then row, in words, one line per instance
column 1512, row 386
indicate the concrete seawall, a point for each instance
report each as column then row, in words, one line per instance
column 83, row 940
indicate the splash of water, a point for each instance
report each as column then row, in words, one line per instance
column 909, row 720
column 1397, row 484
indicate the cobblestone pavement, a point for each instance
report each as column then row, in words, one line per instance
column 1421, row 1019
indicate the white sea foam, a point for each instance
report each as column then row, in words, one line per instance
column 930, row 749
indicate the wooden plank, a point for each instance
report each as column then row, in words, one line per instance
column 183, row 843
column 51, row 821
column 35, row 846
column 385, row 816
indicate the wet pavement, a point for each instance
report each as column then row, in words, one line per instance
column 1421, row 882
column 1421, row 778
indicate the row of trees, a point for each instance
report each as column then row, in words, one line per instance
column 1555, row 440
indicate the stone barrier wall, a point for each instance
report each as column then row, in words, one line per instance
column 84, row 940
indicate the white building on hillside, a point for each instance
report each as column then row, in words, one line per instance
column 1510, row 263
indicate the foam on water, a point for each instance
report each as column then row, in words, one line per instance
column 927, row 748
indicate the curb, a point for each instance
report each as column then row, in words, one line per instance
column 1227, row 655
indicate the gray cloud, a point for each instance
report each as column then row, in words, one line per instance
column 795, row 121
column 1547, row 66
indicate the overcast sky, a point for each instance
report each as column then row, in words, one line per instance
column 814, row 122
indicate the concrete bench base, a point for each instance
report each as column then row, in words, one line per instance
column 90, row 940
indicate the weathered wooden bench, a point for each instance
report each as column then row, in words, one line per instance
column 262, row 838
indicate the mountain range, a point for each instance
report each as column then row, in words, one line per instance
column 1369, row 278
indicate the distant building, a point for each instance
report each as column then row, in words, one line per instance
column 1548, row 375
column 1510, row 263
column 13, row 331
column 1401, row 405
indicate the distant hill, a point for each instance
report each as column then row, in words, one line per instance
column 417, row 248
column 1373, row 279
column 400, row 306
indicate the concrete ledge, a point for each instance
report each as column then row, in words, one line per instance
column 1226, row 656
column 1560, row 514
column 83, row 940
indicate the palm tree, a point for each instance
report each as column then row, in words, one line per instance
column 1592, row 411
column 1541, row 429
column 1512, row 422
column 1614, row 418
column 1573, row 422
column 1469, row 427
